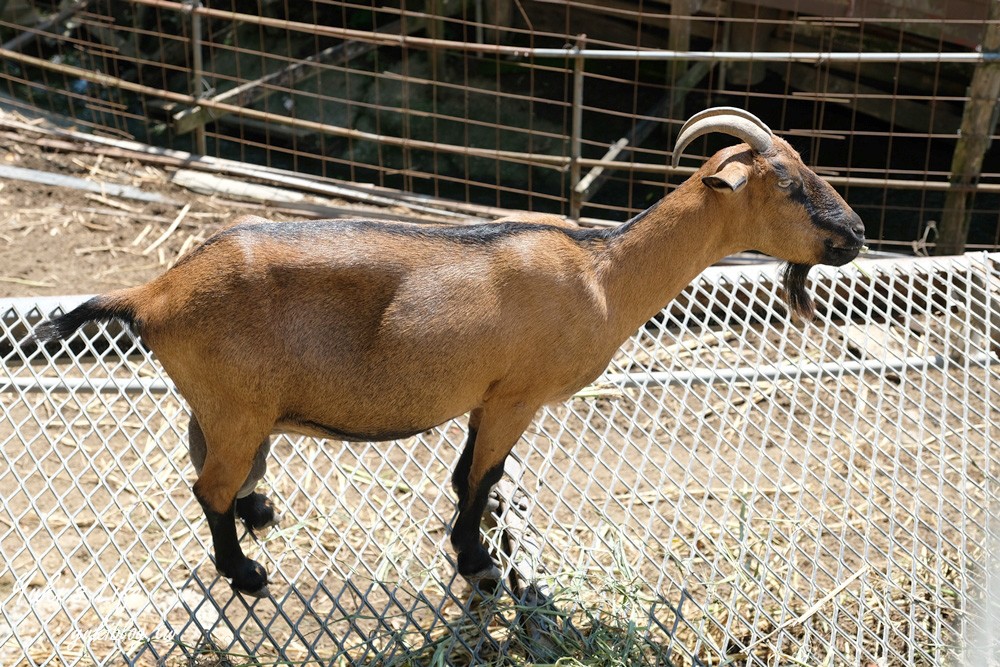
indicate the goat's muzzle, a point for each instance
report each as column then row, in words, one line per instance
column 846, row 243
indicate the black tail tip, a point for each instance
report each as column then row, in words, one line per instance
column 97, row 309
column 59, row 328
column 48, row 331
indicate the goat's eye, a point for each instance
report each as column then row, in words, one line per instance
column 785, row 183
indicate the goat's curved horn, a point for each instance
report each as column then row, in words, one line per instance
column 758, row 137
column 724, row 111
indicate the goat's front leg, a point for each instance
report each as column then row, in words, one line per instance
column 227, row 465
column 460, row 478
column 499, row 428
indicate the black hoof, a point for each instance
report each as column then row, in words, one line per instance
column 256, row 511
column 249, row 578
column 478, row 568
column 262, row 592
column 487, row 582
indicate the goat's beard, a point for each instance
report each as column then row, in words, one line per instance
column 794, row 280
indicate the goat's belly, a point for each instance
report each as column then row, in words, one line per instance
column 367, row 414
column 318, row 430
column 377, row 398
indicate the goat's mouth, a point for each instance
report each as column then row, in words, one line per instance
column 840, row 254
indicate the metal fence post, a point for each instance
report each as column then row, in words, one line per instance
column 197, row 70
column 576, row 130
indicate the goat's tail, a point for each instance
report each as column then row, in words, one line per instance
column 101, row 308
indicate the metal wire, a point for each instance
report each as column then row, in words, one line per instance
column 455, row 100
column 838, row 518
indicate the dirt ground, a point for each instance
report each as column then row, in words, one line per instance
column 60, row 240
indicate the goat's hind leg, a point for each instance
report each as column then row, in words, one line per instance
column 253, row 508
column 226, row 466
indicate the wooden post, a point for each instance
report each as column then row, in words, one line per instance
column 751, row 33
column 680, row 33
column 495, row 20
column 978, row 123
column 435, row 30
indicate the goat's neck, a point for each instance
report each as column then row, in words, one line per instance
column 656, row 256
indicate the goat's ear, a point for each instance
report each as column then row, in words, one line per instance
column 731, row 178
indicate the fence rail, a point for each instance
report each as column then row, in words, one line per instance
column 695, row 517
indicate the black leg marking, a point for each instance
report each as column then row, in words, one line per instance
column 474, row 561
column 248, row 576
column 256, row 511
column 460, row 478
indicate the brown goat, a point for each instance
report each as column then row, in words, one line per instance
column 367, row 330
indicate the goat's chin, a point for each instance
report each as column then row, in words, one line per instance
column 793, row 279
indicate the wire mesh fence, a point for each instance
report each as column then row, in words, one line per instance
column 488, row 102
column 738, row 488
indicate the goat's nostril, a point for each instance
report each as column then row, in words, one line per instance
column 858, row 227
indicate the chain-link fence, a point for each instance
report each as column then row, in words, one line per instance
column 739, row 488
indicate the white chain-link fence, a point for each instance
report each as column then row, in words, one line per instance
column 738, row 487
